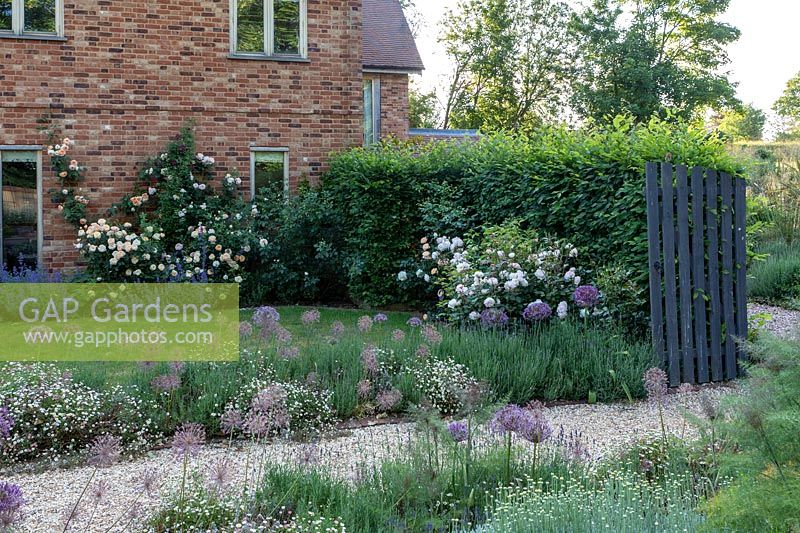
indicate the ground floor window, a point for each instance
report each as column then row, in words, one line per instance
column 372, row 111
column 269, row 171
column 20, row 207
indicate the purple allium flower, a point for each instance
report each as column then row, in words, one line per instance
column 270, row 399
column 245, row 329
column 219, row 476
column 458, row 431
column 509, row 419
column 538, row 428
column 266, row 316
column 494, row 317
column 537, row 311
column 364, row 324
column 11, row 502
column 257, row 424
column 177, row 366
column 150, row 482
column 99, row 491
column 380, row 317
column 586, row 296
column 6, row 422
column 398, row 335
column 423, row 351
column 230, row 421
column 104, row 450
column 337, row 328
column 310, row 317
column 369, row 358
column 188, row 439
column 655, row 383
column 431, row 334
column 389, row 399
column 166, row 382
column 364, row 388
column 414, row 322
column 282, row 334
column 288, row 352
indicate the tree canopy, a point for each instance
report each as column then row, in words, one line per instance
column 646, row 56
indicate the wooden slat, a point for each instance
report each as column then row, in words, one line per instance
column 715, row 306
column 699, row 274
column 740, row 233
column 726, row 243
column 654, row 256
column 670, row 289
column 685, row 277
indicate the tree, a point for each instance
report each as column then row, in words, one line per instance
column 422, row 108
column 788, row 107
column 743, row 123
column 511, row 63
column 646, row 56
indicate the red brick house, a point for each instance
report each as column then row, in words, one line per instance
column 273, row 87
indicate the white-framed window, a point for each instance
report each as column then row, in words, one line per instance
column 372, row 110
column 269, row 28
column 32, row 18
column 21, row 237
column 269, row 171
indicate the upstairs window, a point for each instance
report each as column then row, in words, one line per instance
column 31, row 18
column 268, row 28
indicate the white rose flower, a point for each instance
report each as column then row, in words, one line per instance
column 561, row 310
column 452, row 304
column 577, row 280
column 402, row 275
column 474, row 315
column 540, row 275
column 489, row 302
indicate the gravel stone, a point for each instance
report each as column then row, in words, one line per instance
column 606, row 428
column 782, row 322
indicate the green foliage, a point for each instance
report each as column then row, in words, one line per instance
column 788, row 107
column 776, row 279
column 565, row 360
column 298, row 258
column 511, row 63
column 422, row 108
column 743, row 123
column 644, row 57
column 761, row 435
column 585, row 186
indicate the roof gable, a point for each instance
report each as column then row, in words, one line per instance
column 387, row 41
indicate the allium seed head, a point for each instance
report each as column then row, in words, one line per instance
column 655, row 383
column 188, row 439
column 104, row 450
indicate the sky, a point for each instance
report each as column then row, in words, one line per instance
column 762, row 61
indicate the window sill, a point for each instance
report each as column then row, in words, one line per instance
column 33, row 37
column 264, row 57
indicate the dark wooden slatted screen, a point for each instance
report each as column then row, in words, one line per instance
column 697, row 255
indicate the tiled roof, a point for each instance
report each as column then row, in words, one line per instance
column 387, row 40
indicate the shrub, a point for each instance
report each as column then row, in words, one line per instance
column 49, row 414
column 584, row 186
column 443, row 383
column 760, row 431
column 776, row 279
column 292, row 408
column 503, row 275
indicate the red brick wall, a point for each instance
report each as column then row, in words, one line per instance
column 133, row 72
column 394, row 105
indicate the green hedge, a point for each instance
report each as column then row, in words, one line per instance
column 584, row 185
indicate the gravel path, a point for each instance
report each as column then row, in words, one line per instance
column 783, row 322
column 606, row 428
